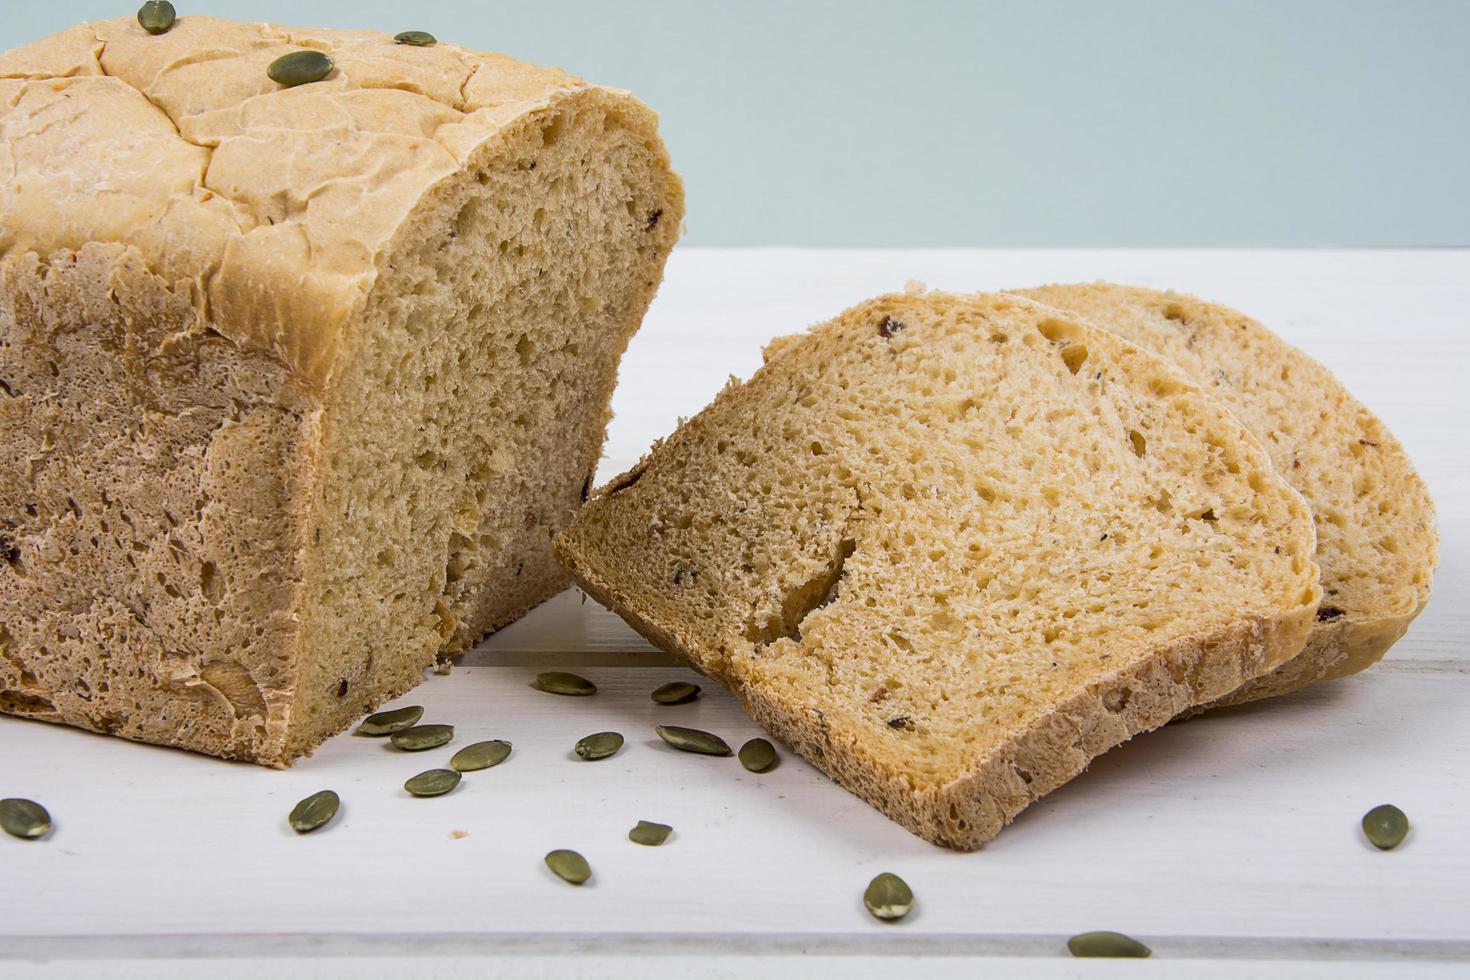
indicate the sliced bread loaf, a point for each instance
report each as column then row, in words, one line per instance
column 296, row 383
column 1376, row 540
column 950, row 548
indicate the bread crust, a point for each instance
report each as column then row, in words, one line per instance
column 270, row 207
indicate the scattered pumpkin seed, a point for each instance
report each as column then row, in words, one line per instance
column 481, row 755
column 315, row 811
column 433, row 782
column 675, row 692
column 650, row 834
column 599, row 746
column 300, row 67
column 388, row 722
column 560, row 682
column 157, row 16
column 692, row 740
column 1385, row 826
column 25, row 819
column 569, row 866
column 757, row 755
column 419, row 39
column 421, row 737
column 1105, row 943
column 888, row 897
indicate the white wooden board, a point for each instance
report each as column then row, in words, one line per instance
column 1230, row 836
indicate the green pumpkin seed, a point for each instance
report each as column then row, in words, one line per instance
column 599, row 746
column 434, row 782
column 675, row 692
column 1386, row 826
column 692, row 740
column 560, row 682
column 650, row 834
column 388, row 722
column 569, row 866
column 1107, row 944
column 315, row 811
column 300, row 67
column 757, row 755
column 888, row 897
column 25, row 819
column 157, row 16
column 421, row 737
column 481, row 755
column 419, row 39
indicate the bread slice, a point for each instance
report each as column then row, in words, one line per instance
column 950, row 548
column 1376, row 540
column 296, row 383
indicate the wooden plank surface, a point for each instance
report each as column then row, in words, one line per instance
column 1231, row 835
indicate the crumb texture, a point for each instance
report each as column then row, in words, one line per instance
column 1376, row 539
column 296, row 401
column 950, row 548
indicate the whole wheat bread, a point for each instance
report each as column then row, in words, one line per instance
column 296, row 383
column 1376, row 540
column 950, row 548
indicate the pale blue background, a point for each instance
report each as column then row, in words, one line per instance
column 1055, row 122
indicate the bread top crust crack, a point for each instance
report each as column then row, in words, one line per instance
column 179, row 147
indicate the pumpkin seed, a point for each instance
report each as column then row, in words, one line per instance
column 157, row 16
column 388, row 722
column 421, row 737
column 757, row 755
column 433, row 782
column 26, row 819
column 888, row 897
column 560, row 682
column 315, row 811
column 419, row 39
column 1386, row 826
column 650, row 834
column 599, row 746
column 569, row 866
column 481, row 755
column 692, row 740
column 300, row 67
column 1106, row 943
column 675, row 692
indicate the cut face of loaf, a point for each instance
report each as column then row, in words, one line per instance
column 950, row 548
column 297, row 384
column 1376, row 541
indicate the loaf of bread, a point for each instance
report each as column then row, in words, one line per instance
column 1376, row 540
column 950, row 548
column 297, row 383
